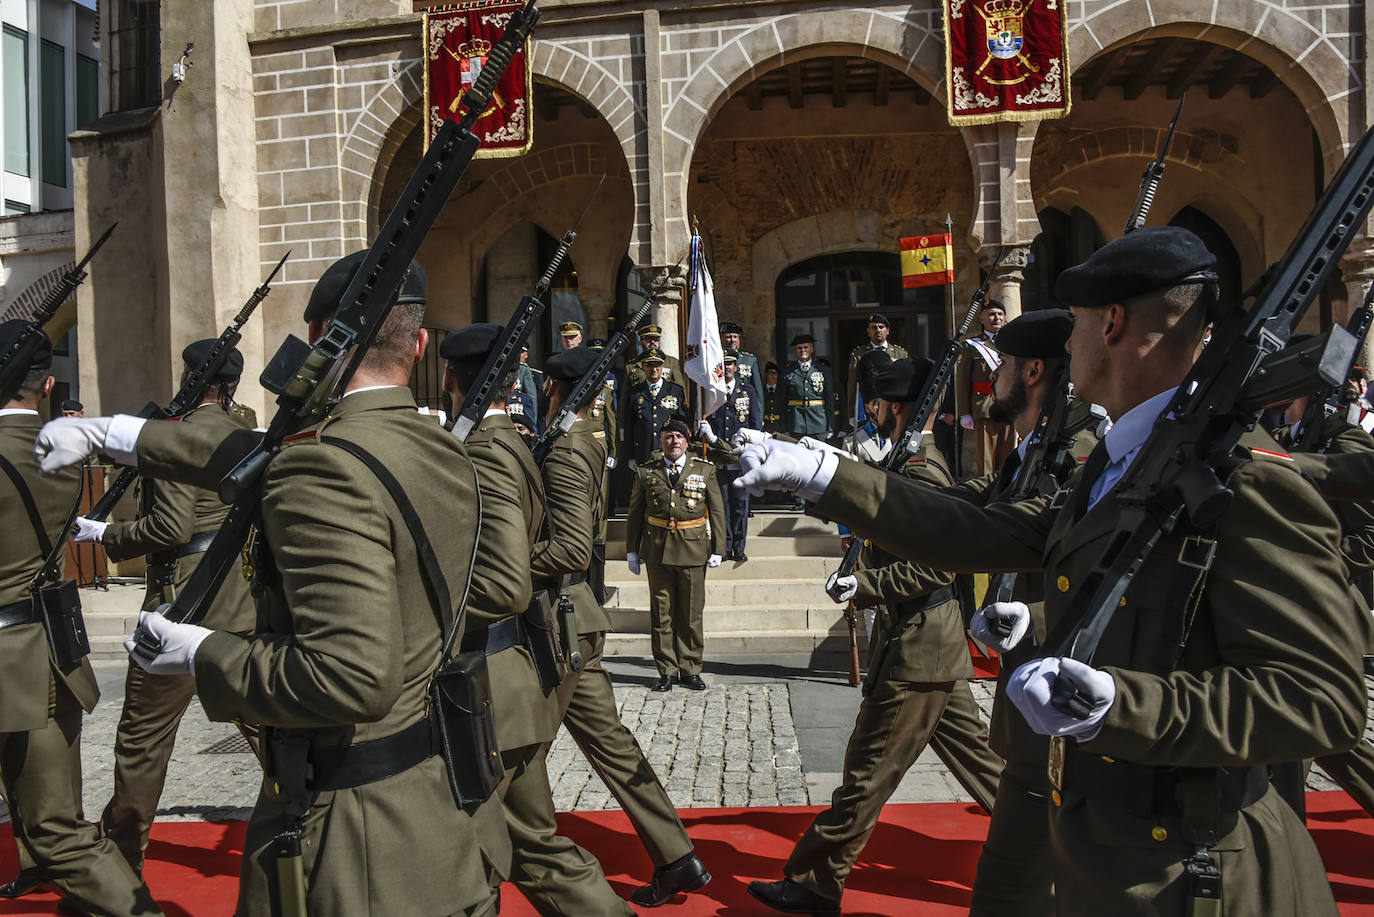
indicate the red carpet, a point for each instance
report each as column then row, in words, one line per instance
column 193, row 866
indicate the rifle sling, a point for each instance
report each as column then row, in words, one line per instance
column 50, row 551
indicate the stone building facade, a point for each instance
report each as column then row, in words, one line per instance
column 804, row 138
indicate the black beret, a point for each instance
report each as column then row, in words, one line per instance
column 324, row 299
column 731, row 328
column 651, row 356
column 870, row 365
column 570, row 365
column 879, row 318
column 902, row 380
column 770, row 367
column 1140, row 262
column 197, row 351
column 72, row 404
column 677, row 425
column 992, row 304
column 1041, row 334
column 803, row 339
column 12, row 330
column 471, row 344
column 731, row 355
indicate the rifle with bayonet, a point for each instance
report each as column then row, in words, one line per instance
column 1149, row 182
column 15, row 362
column 192, row 390
column 502, row 358
column 1176, row 479
column 1327, row 400
column 307, row 377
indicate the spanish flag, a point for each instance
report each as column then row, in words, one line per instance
column 927, row 261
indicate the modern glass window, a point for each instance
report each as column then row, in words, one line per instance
column 52, row 102
column 16, row 88
column 15, row 207
column 87, row 90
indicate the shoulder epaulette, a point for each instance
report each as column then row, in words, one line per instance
column 1270, row 454
column 303, row 436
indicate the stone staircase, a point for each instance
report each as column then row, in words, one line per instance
column 774, row 603
column 111, row 614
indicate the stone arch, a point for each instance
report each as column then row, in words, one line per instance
column 823, row 234
column 26, row 303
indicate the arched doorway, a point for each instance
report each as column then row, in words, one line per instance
column 1065, row 239
column 1218, row 243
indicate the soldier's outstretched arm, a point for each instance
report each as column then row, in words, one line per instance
column 572, row 493
column 168, row 523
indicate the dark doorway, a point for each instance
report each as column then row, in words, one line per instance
column 1219, row 243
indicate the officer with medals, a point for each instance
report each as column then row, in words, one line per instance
column 650, row 336
column 1229, row 652
column 604, row 414
column 676, row 525
column 987, row 443
column 174, row 526
column 810, row 392
column 648, row 406
column 747, row 371
column 774, row 399
column 739, row 412
column 878, row 330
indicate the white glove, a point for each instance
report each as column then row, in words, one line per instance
column 88, row 531
column 820, row 445
column 775, row 465
column 178, row 644
column 1031, row 688
column 747, row 437
column 713, row 561
column 632, row 560
column 69, row 441
column 1001, row 625
column 841, row 588
column 611, row 462
column 704, row 428
column 966, row 421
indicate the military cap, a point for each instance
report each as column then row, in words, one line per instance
column 1041, row 334
column 870, row 365
column 71, row 404
column 731, row 355
column 12, row 330
column 524, row 348
column 878, row 318
column 1149, row 259
column 770, row 367
column 471, row 344
column 651, row 356
column 650, row 331
column 677, row 425
column 596, row 344
column 902, row 380
column 196, row 352
column 731, row 328
column 324, row 299
column 803, row 339
column 570, row 365
column 567, row 329
column 992, row 304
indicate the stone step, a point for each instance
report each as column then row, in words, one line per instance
column 744, row 619
column 761, row 523
column 751, row 642
column 751, row 593
column 791, row 569
column 791, row 546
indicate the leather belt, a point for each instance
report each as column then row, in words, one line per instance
column 17, row 614
column 924, row 603
column 673, row 525
column 198, row 544
column 982, row 388
column 818, row 403
column 368, row 762
column 495, row 638
column 1146, row 791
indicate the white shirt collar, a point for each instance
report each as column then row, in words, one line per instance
column 677, row 465
column 5, row 412
column 1130, row 430
column 368, row 388
column 806, row 367
column 493, row 411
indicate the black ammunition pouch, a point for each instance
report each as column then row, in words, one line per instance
column 59, row 606
column 465, row 728
column 542, row 640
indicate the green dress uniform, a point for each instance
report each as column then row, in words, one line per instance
column 556, row 875
column 174, row 526
column 586, row 700
column 809, row 406
column 40, row 719
column 674, row 528
column 851, row 386
column 604, row 414
column 1265, row 674
column 916, row 692
column 988, row 444
column 346, row 642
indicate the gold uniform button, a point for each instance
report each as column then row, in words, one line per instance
column 1122, row 603
column 1054, row 795
column 1062, row 583
column 1158, row 833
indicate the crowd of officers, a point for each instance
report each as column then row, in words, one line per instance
column 1234, row 660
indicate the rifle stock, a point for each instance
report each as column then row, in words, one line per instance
column 1327, row 400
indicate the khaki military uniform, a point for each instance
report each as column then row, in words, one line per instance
column 989, row 443
column 604, row 414
column 674, row 530
column 587, row 700
column 1266, row 674
column 917, row 692
column 346, row 642
column 174, row 526
column 40, row 718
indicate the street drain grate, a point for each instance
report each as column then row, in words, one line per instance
column 229, row 745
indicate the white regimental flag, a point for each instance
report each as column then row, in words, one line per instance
column 705, row 358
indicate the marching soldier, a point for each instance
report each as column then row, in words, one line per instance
column 878, row 330
column 774, row 399
column 810, row 392
column 40, row 719
column 987, row 442
column 868, row 443
column 348, row 635
column 649, row 337
column 739, row 412
column 604, row 414
column 916, row 691
column 674, row 524
column 556, row 875
column 1228, row 653
column 648, row 406
column 586, row 700
column 748, row 373
column 174, row 526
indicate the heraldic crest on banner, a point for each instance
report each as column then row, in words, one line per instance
column 1005, row 60
column 457, row 41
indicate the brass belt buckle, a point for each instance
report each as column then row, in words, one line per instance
column 1197, row 552
column 672, row 525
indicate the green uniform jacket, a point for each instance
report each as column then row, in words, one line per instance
column 929, row 646
column 697, row 496
column 347, row 642
column 972, row 371
column 512, row 515
column 604, row 416
column 169, row 515
column 24, row 647
column 1268, row 673
column 572, row 484
column 1357, row 519
column 809, row 402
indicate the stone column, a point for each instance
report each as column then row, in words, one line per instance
column 1005, row 285
column 668, row 306
column 599, row 306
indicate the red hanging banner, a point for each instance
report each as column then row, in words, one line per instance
column 1006, row 60
column 457, row 40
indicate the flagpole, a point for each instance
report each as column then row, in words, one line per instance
column 949, row 287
